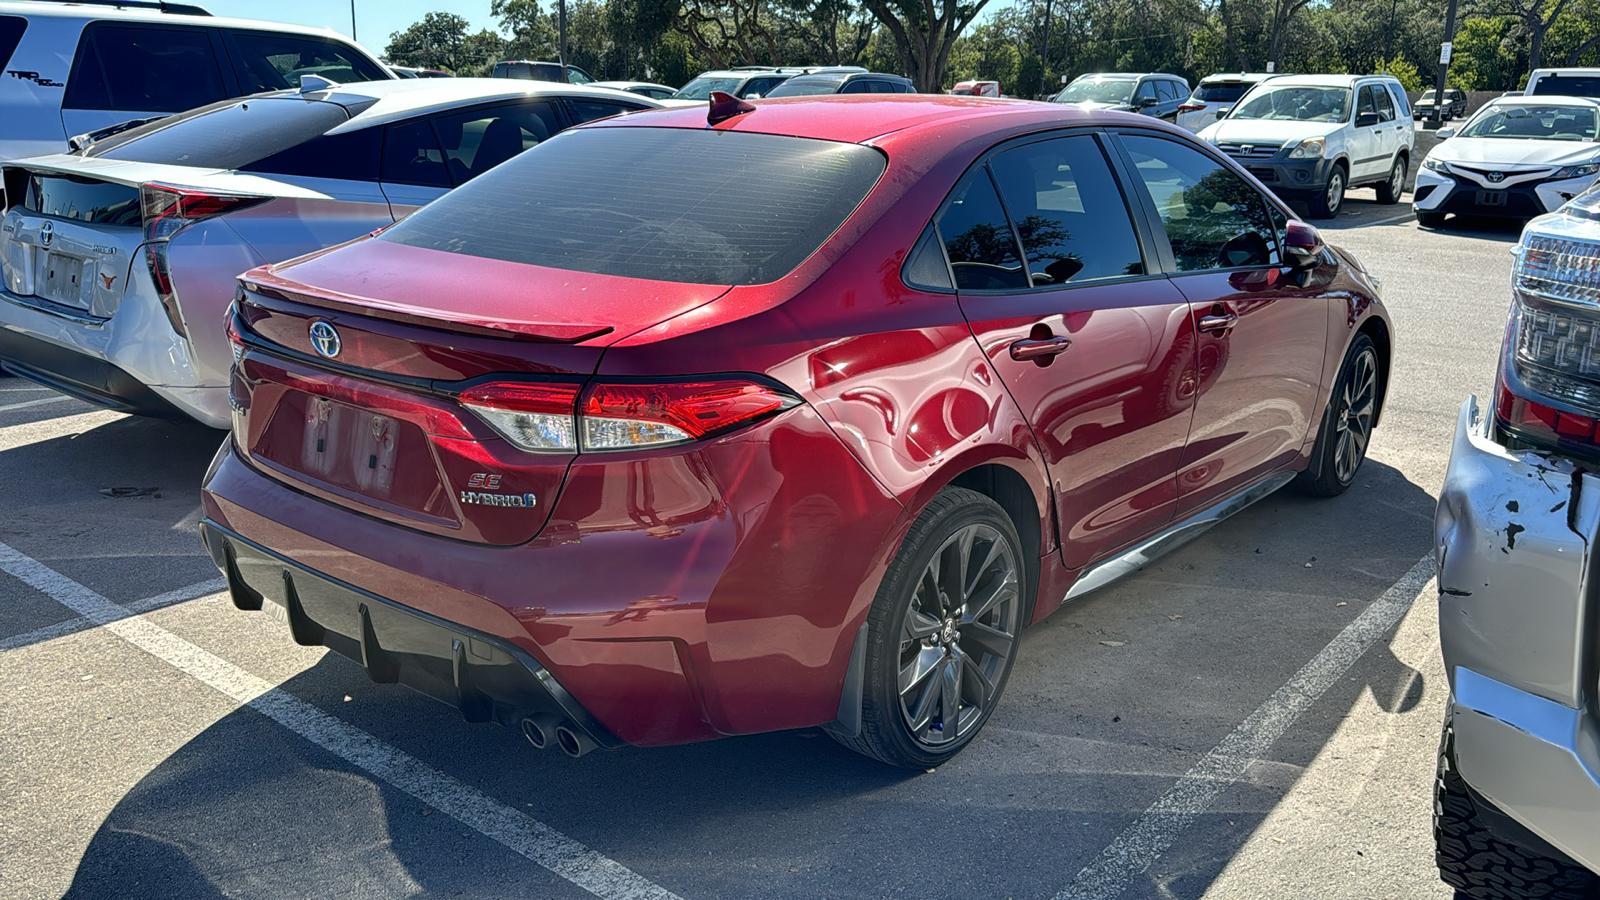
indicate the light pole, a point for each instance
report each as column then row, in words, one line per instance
column 352, row 20
column 561, row 6
column 1444, row 63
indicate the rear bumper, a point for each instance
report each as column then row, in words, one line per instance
column 482, row 676
column 132, row 362
column 676, row 595
column 1513, row 534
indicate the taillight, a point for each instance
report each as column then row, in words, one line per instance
column 1549, row 390
column 537, row 417
column 167, row 209
column 550, row 417
column 1191, row 107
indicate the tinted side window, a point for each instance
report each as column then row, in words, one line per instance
column 857, row 87
column 1385, row 104
column 144, row 69
column 411, row 155
column 1213, row 218
column 1164, row 91
column 1068, row 211
column 1366, row 102
column 589, row 110
column 1405, row 108
column 11, row 29
column 902, row 87
column 271, row 62
column 352, row 156
column 1146, row 89
column 978, row 240
column 475, row 142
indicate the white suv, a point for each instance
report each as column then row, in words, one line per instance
column 70, row 69
column 1315, row 136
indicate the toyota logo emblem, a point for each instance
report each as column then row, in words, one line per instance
column 325, row 338
column 1496, row 177
column 47, row 233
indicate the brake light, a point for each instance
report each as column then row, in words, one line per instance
column 155, row 259
column 1549, row 386
column 550, row 418
column 167, row 209
column 1191, row 107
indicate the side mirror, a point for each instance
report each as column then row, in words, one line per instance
column 1147, row 102
column 1302, row 250
column 1444, row 133
column 1365, row 119
column 1223, row 112
column 753, row 96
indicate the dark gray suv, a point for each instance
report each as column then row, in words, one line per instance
column 1151, row 93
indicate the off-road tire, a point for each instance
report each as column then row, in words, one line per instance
column 1482, row 866
column 885, row 734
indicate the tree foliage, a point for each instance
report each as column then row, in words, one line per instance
column 939, row 42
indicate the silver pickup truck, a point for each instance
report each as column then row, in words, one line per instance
column 1517, row 804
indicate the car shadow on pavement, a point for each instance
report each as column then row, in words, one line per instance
column 1487, row 227
column 1088, row 736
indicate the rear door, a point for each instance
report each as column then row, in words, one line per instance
column 1260, row 336
column 126, row 71
column 1093, row 344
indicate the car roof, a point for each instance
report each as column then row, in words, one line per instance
column 860, row 118
column 1240, row 76
column 619, row 84
column 1544, row 100
column 390, row 101
column 40, row 9
column 1330, row 80
column 1111, row 76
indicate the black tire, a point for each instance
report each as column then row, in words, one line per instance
column 1352, row 404
column 1329, row 199
column 955, row 646
column 1482, row 866
column 1430, row 219
column 1390, row 191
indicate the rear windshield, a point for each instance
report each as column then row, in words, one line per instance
column 733, row 208
column 227, row 135
column 1220, row 93
column 1569, row 85
column 82, row 199
column 806, row 87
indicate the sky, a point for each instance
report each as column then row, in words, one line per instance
column 377, row 19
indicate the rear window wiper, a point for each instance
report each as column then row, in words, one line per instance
column 80, row 142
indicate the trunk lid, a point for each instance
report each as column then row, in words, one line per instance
column 378, row 427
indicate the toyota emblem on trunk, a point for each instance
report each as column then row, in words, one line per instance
column 325, row 338
column 1496, row 177
column 47, row 233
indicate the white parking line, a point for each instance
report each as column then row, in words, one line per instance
column 81, row 623
column 1158, row 827
column 27, row 403
column 1389, row 221
column 603, row 877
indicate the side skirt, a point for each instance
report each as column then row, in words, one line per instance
column 1137, row 557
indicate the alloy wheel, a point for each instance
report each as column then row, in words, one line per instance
column 1357, row 402
column 1335, row 198
column 957, row 635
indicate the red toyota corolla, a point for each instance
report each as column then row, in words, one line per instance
column 680, row 426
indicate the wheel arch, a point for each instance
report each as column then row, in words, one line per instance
column 1008, row 488
column 1377, row 329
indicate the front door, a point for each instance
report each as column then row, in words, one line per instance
column 1261, row 335
column 1097, row 353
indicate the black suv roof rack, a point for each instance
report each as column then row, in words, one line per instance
column 176, row 9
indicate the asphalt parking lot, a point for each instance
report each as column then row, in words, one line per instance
column 1253, row 716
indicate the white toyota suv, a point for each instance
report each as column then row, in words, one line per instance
column 68, row 69
column 1315, row 136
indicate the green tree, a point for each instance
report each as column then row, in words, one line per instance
column 437, row 42
column 924, row 31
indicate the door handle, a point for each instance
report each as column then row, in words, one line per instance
column 1213, row 323
column 1039, row 348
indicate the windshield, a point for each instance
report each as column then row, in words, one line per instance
column 1301, row 104
column 1568, row 85
column 1097, row 91
column 806, row 87
column 701, row 88
column 1537, row 123
column 1427, row 96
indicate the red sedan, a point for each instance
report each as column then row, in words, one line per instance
column 680, row 426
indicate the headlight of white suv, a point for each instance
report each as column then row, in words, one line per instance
column 1589, row 168
column 1310, row 148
